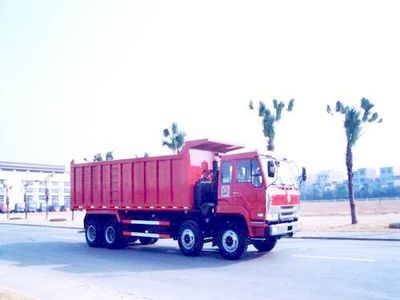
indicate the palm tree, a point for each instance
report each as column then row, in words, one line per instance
column 97, row 157
column 354, row 121
column 109, row 155
column 174, row 138
column 269, row 118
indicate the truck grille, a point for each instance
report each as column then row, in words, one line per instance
column 287, row 213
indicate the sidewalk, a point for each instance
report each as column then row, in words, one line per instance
column 360, row 236
column 55, row 219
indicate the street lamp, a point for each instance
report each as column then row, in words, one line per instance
column 7, row 199
column 25, row 185
column 47, row 180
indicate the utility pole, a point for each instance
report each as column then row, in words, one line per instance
column 48, row 179
column 25, row 184
column 7, row 188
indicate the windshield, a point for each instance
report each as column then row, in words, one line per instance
column 284, row 174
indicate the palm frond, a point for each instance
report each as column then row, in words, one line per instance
column 366, row 105
column 174, row 128
column 251, row 106
column 261, row 109
column 374, row 117
column 166, row 132
column 339, row 107
column 352, row 125
column 275, row 102
column 290, row 105
column 279, row 108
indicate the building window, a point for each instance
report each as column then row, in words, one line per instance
column 54, row 200
column 67, row 201
column 55, row 183
column 55, row 191
column 67, row 191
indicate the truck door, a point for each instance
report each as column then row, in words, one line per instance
column 248, row 188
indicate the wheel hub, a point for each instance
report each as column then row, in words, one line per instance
column 230, row 241
column 188, row 239
column 110, row 235
column 91, row 233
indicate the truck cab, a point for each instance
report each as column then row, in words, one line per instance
column 268, row 198
column 255, row 193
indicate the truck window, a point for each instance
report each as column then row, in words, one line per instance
column 256, row 176
column 243, row 170
column 226, row 172
column 249, row 171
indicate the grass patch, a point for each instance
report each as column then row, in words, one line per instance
column 394, row 225
column 58, row 219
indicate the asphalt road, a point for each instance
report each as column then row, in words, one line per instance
column 55, row 263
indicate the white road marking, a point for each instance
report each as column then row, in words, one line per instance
column 335, row 258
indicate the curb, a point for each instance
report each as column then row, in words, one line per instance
column 40, row 225
column 348, row 238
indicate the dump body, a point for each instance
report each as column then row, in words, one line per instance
column 164, row 182
column 200, row 195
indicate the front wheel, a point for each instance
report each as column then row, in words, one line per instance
column 232, row 242
column 190, row 238
column 265, row 246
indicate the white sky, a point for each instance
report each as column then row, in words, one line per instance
column 81, row 77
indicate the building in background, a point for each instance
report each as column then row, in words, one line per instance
column 328, row 179
column 365, row 181
column 389, row 177
column 36, row 177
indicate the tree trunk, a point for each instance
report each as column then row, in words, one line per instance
column 349, row 166
column 271, row 146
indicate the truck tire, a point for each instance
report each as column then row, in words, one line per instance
column 113, row 238
column 265, row 246
column 93, row 233
column 232, row 241
column 147, row 240
column 190, row 238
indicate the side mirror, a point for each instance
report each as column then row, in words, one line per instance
column 271, row 168
column 303, row 174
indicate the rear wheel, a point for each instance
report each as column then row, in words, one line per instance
column 190, row 238
column 113, row 238
column 265, row 246
column 147, row 240
column 93, row 233
column 232, row 242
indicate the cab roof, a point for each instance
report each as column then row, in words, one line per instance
column 212, row 146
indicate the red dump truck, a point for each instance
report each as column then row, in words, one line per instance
column 203, row 194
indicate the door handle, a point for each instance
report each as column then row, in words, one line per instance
column 235, row 193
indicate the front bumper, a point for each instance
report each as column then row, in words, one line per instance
column 282, row 229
